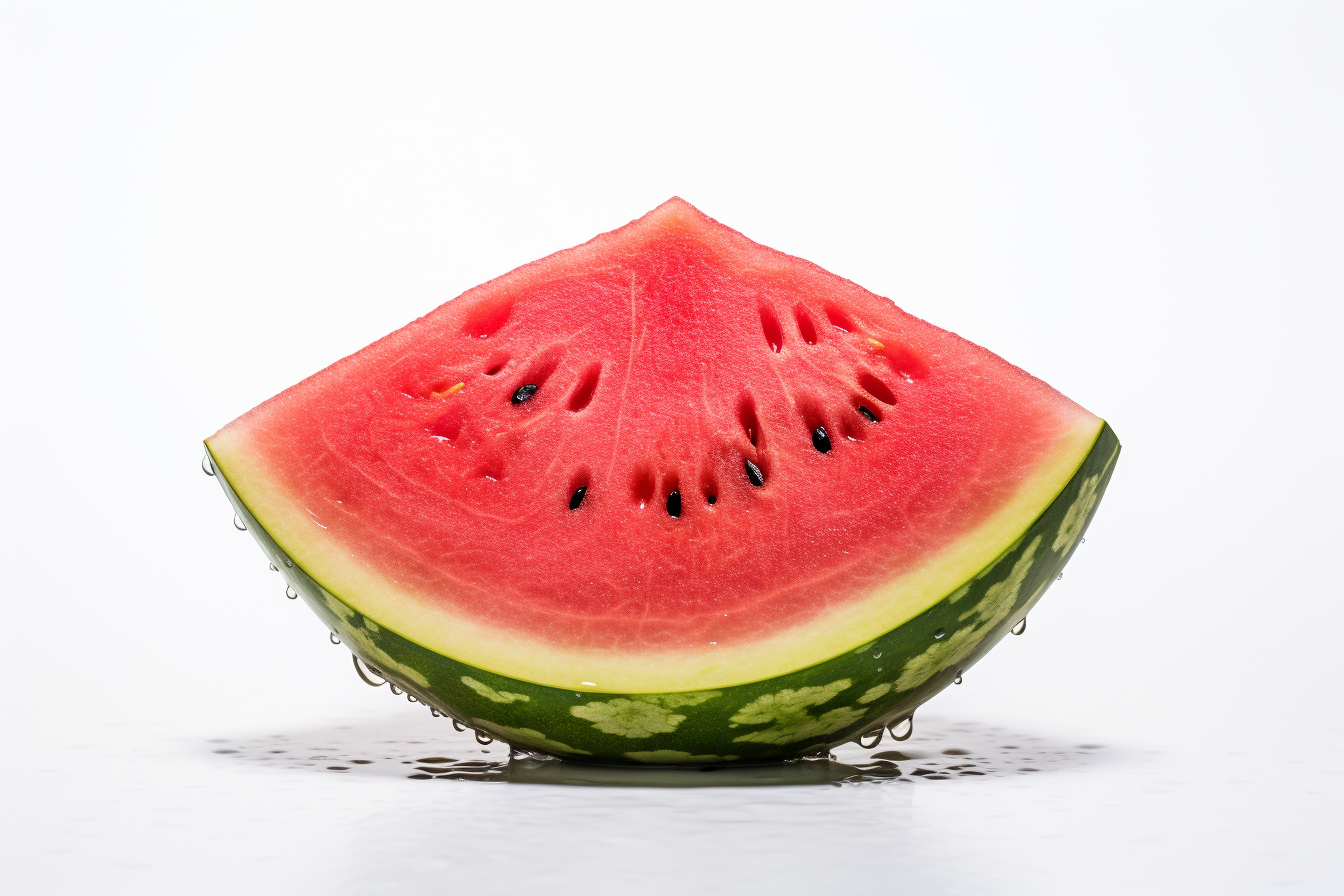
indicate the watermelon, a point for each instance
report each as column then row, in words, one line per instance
column 668, row 497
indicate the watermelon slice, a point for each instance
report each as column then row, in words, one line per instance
column 666, row 497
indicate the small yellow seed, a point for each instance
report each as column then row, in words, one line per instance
column 449, row 391
column 874, row 343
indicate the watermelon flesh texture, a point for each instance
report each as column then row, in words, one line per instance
column 666, row 461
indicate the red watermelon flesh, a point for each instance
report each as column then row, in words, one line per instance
column 667, row 459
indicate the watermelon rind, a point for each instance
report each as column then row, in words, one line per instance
column 785, row 716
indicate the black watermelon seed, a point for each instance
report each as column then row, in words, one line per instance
column 820, row 440
column 674, row 504
column 871, row 417
column 712, row 499
column 524, row 393
column 577, row 498
column 754, row 474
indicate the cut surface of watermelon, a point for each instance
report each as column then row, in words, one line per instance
column 667, row 460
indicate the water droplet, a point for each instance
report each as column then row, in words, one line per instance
column 754, row 474
column 434, row 712
column 940, row 634
column 334, row 639
column 957, row 680
column 411, row 698
column 458, row 725
column 289, row 563
column 360, row 672
column 1059, row 577
column 906, row 725
column 484, row 739
column 875, row 734
column 524, row 393
column 877, row 652
column 1020, row 627
column 239, row 524
column 206, row 466
column 396, row 690
column 274, row 568
column 290, row 592
column 1082, row 541
column 820, row 440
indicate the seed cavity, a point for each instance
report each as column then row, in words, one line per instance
column 576, row 499
column 674, row 504
column 806, row 328
column 876, row 388
column 820, row 440
column 839, row 319
column 869, row 415
column 746, row 415
column 487, row 322
column 774, row 336
column 754, row 474
column 642, row 486
column 496, row 365
column 709, row 488
column 524, row 393
column 583, row 394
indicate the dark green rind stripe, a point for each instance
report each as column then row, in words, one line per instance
column 791, row 715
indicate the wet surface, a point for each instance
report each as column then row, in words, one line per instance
column 944, row 751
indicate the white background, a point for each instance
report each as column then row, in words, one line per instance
column 1140, row 203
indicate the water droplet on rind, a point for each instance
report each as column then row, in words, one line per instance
column 940, row 634
column 274, row 568
column 957, row 680
column 908, row 723
column 484, row 739
column 334, row 639
column 290, row 592
column 207, row 467
column 1020, row 627
column 239, row 524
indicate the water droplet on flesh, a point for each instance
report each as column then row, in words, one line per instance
column 940, row 634
column 1020, row 627
column 206, row 466
column 239, row 524
column 290, row 592
column 334, row 639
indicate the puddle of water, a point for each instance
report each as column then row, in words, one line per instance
column 942, row 750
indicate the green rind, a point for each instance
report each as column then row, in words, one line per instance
column 782, row 717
